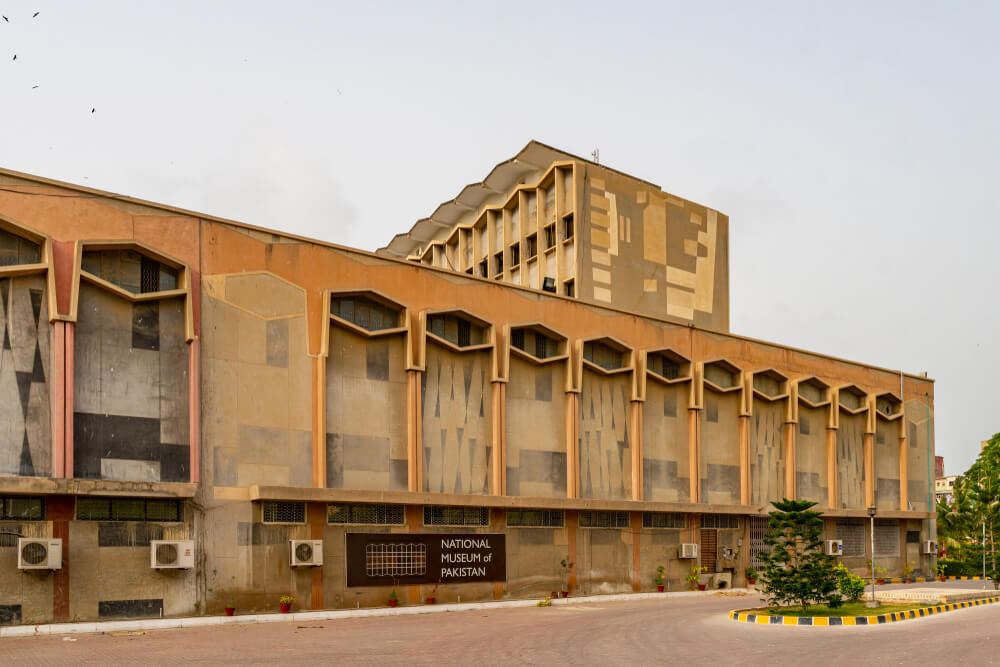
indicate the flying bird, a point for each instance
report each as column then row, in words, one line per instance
column 93, row 110
column 33, row 87
column 15, row 56
column 35, row 14
column 6, row 19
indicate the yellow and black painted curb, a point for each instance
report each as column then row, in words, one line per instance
column 743, row 616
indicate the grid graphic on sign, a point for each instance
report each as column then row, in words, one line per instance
column 395, row 560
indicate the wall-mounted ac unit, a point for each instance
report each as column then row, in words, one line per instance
column 39, row 553
column 171, row 554
column 307, row 553
column 833, row 547
column 687, row 551
column 930, row 547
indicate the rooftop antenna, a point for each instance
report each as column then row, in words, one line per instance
column 596, row 154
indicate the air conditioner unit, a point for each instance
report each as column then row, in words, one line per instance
column 833, row 547
column 39, row 553
column 688, row 551
column 308, row 553
column 930, row 547
column 171, row 554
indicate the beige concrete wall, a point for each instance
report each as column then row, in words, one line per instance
column 851, row 461
column 720, row 448
column 887, row 464
column 767, row 452
column 648, row 251
column 457, row 413
column 366, row 411
column 811, row 475
column 917, row 448
column 666, row 471
column 603, row 560
column 536, row 429
column 605, row 441
column 31, row 590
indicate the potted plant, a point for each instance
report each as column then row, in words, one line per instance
column 694, row 577
column 285, row 603
column 940, row 572
column 567, row 565
column 908, row 573
column 393, row 600
column 751, row 575
column 659, row 578
column 230, row 608
column 431, row 598
column 880, row 575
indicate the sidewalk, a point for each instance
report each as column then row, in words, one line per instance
column 329, row 614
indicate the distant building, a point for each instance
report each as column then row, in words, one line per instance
column 944, row 487
column 938, row 467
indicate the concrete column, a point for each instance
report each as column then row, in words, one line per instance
column 904, row 492
column 635, row 520
column 194, row 410
column 744, row 459
column 694, row 453
column 414, row 449
column 68, row 406
column 572, row 519
column 572, row 446
column 59, row 400
column 790, row 463
column 498, row 452
column 316, row 515
column 831, row 467
column 635, row 425
column 869, row 469
column 59, row 510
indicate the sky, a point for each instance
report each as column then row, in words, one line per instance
column 853, row 145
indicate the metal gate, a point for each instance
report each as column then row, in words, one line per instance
column 758, row 526
column 709, row 549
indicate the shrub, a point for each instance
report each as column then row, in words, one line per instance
column 851, row 586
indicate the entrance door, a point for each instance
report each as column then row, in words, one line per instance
column 758, row 526
column 709, row 549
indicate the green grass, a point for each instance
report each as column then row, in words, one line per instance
column 846, row 609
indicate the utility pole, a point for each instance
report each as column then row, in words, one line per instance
column 871, row 532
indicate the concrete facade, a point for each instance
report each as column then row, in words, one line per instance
column 170, row 375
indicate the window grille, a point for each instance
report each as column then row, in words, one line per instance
column 498, row 263
column 380, row 515
column 602, row 355
column 515, row 254
column 17, row 250
column 886, row 538
column 726, row 521
column 464, row 333
column 401, row 559
column 150, row 280
column 456, row 516
column 283, row 512
column 568, row 228
column 852, row 534
column 128, row 509
column 456, row 330
column 662, row 520
column 536, row 518
column 758, row 528
column 365, row 313
column 550, row 236
column 603, row 519
column 664, row 367
column 543, row 345
column 517, row 338
column 568, row 288
column 130, row 270
column 532, row 248
column 22, row 508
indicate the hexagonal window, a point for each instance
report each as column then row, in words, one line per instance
column 770, row 384
column 668, row 365
column 887, row 404
column 538, row 342
column 605, row 353
column 15, row 250
column 130, row 270
column 852, row 398
column 722, row 375
column 458, row 328
column 814, row 392
column 367, row 310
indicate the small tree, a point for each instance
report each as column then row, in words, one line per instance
column 795, row 570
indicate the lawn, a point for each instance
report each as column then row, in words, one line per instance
column 846, row 609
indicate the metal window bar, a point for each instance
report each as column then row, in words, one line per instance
column 150, row 275
column 456, row 516
column 603, row 519
column 758, row 527
column 852, row 534
column 725, row 521
column 536, row 518
column 283, row 512
column 380, row 514
column 662, row 520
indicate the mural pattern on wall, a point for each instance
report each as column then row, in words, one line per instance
column 720, row 448
column 851, row 460
column 536, row 429
column 604, row 438
column 887, row 464
column 25, row 413
column 130, row 419
column 810, row 457
column 767, row 457
column 455, row 390
column 665, row 470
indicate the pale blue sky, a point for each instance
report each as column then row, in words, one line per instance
column 852, row 144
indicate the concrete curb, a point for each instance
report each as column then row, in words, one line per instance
column 325, row 615
column 743, row 616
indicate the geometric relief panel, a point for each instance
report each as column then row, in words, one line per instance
column 25, row 416
column 604, row 438
column 130, row 418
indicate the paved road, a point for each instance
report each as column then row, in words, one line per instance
column 642, row 632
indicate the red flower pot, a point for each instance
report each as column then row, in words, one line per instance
column 880, row 582
column 393, row 602
column 285, row 607
column 565, row 594
column 659, row 588
column 431, row 599
column 908, row 580
column 701, row 587
column 751, row 582
column 554, row 594
column 942, row 578
column 230, row 611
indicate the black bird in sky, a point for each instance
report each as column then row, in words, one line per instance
column 93, row 110
column 6, row 19
column 35, row 14
column 33, row 87
column 15, row 56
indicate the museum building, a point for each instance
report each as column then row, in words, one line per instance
column 533, row 390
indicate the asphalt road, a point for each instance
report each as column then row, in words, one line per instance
column 644, row 632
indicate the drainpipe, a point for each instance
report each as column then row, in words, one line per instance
column 932, row 522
